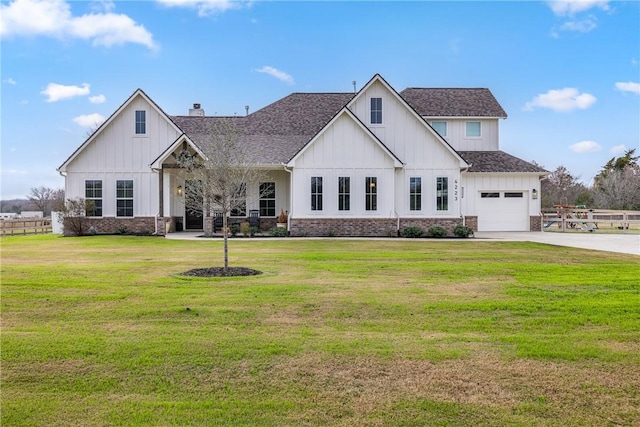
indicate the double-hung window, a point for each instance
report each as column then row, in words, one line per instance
column 473, row 129
column 376, row 111
column 124, row 197
column 268, row 199
column 141, row 122
column 316, row 193
column 442, row 193
column 93, row 194
column 371, row 193
column 415, row 193
column 344, row 193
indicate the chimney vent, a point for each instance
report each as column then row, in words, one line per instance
column 196, row 111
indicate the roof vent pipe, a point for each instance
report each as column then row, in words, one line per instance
column 246, row 108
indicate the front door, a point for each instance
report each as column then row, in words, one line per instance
column 193, row 217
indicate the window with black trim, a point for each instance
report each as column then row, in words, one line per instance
column 124, row 198
column 442, row 193
column 491, row 195
column 268, row 199
column 316, row 193
column 371, row 193
column 344, row 193
column 415, row 193
column 513, row 195
column 376, row 111
column 93, row 193
column 141, row 122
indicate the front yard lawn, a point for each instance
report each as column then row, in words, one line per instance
column 104, row 330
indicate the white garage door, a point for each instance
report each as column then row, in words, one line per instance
column 503, row 211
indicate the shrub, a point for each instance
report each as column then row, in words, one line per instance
column 437, row 231
column 245, row 229
column 412, row 232
column 278, row 232
column 462, row 231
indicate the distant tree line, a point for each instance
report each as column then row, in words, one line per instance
column 616, row 186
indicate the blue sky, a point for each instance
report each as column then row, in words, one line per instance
column 566, row 72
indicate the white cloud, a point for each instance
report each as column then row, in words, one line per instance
column 53, row 18
column 618, row 149
column 10, row 81
column 585, row 147
column 57, row 92
column 205, row 7
column 583, row 26
column 566, row 99
column 632, row 87
column 572, row 7
column 89, row 120
column 280, row 75
column 98, row 99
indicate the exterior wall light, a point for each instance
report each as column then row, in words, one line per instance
column 534, row 194
column 180, row 190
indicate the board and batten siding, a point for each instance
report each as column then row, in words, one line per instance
column 343, row 149
column 456, row 134
column 117, row 153
column 475, row 183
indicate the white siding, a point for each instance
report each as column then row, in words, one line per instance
column 456, row 134
column 118, row 153
column 343, row 149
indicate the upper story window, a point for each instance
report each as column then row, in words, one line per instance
column 376, row 111
column 442, row 193
column 440, row 127
column 268, row 199
column 141, row 122
column 344, row 193
column 316, row 193
column 124, row 197
column 371, row 193
column 473, row 129
column 415, row 193
column 93, row 193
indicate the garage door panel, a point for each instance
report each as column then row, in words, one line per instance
column 500, row 213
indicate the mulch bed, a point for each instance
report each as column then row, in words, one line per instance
column 220, row 272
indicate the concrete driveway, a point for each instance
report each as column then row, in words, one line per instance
column 621, row 243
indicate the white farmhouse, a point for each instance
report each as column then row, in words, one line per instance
column 346, row 164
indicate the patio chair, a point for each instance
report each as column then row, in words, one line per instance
column 217, row 221
column 254, row 218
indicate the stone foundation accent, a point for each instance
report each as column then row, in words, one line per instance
column 471, row 222
column 343, row 227
column 113, row 225
column 535, row 223
column 426, row 223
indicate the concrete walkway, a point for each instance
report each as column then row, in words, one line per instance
column 620, row 243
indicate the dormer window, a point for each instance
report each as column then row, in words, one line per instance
column 376, row 111
column 141, row 122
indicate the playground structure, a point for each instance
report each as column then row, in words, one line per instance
column 570, row 217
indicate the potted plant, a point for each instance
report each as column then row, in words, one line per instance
column 282, row 219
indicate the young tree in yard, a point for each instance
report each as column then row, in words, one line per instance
column 73, row 216
column 617, row 186
column 222, row 177
column 44, row 198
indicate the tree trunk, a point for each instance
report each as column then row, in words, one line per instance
column 225, row 237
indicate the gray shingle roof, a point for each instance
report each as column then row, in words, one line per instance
column 498, row 161
column 275, row 133
column 453, row 102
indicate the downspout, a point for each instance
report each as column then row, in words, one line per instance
column 290, row 195
column 464, row 218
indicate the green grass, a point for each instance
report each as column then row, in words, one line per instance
column 104, row 331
